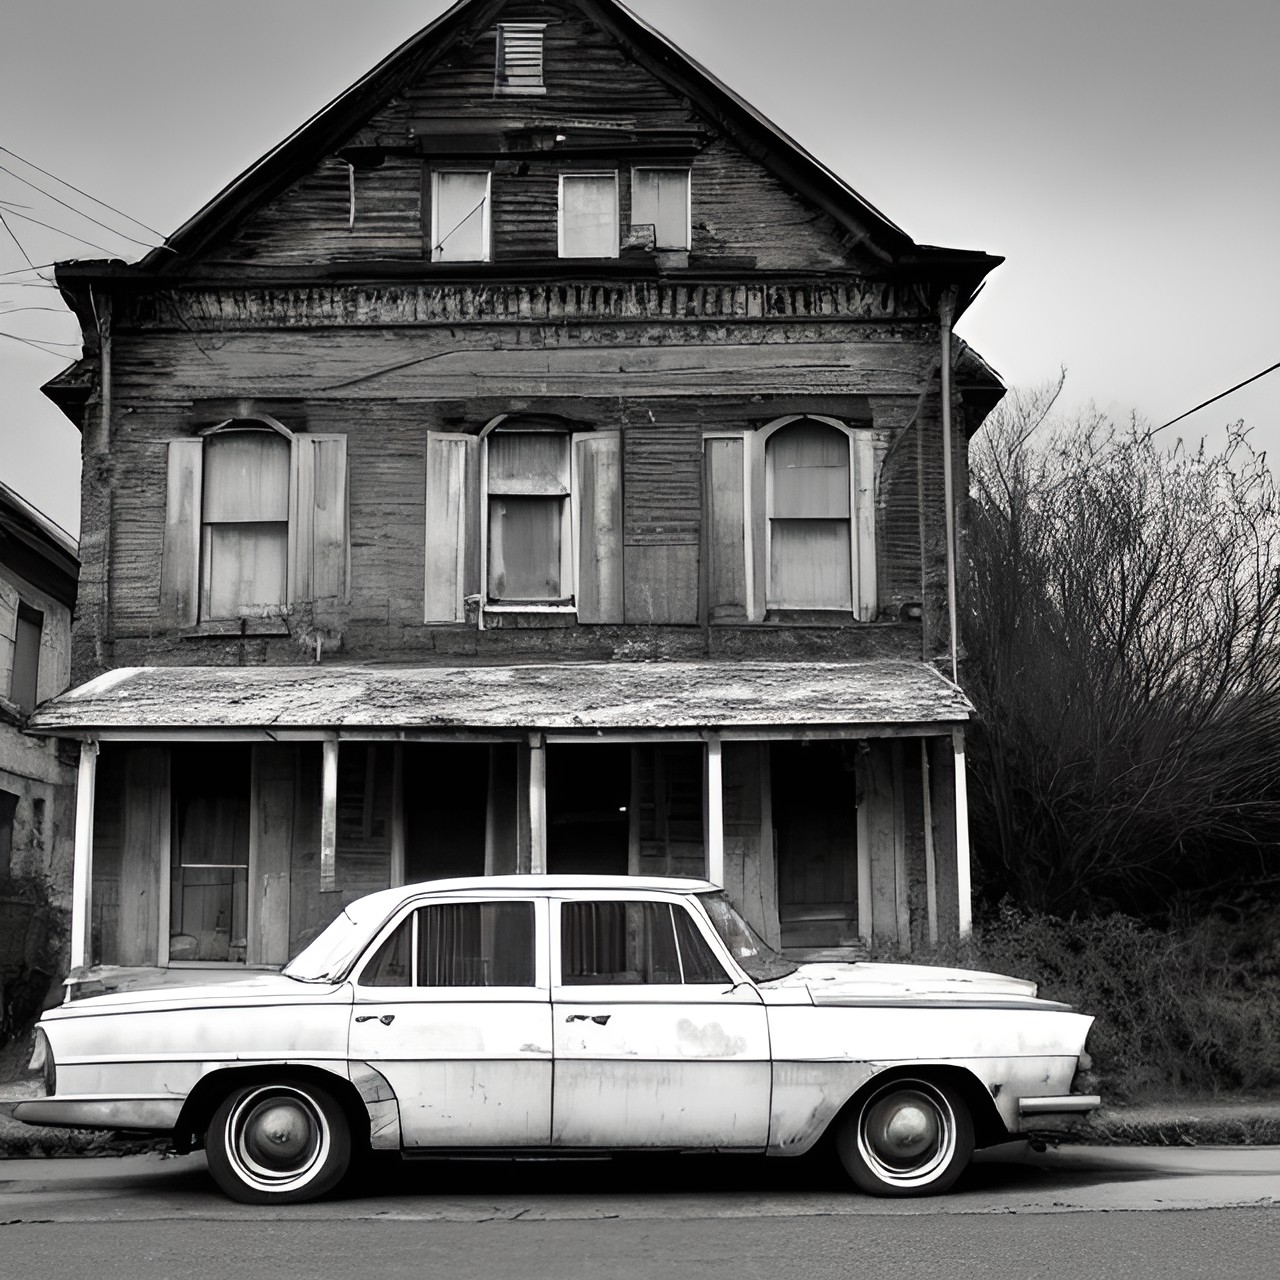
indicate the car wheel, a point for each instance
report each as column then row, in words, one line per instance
column 908, row 1137
column 278, row 1143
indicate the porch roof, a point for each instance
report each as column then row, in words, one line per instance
column 564, row 696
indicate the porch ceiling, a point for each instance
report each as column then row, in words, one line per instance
column 565, row 696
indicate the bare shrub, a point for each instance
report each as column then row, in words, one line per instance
column 1120, row 632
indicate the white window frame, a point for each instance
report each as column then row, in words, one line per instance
column 688, row 202
column 617, row 212
column 568, row 548
column 486, row 231
column 862, row 490
column 259, row 424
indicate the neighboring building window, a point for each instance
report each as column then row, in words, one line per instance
column 8, row 810
column 808, row 502
column 588, row 215
column 518, row 67
column 26, row 657
column 529, row 532
column 245, row 519
column 629, row 943
column 660, row 198
column 458, row 944
column 460, row 216
column 209, row 872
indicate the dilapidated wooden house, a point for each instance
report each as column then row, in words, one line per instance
column 538, row 461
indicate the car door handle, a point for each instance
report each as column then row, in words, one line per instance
column 598, row 1018
column 387, row 1018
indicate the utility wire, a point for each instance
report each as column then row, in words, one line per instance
column 71, row 186
column 1219, row 396
column 71, row 235
column 41, row 344
column 80, row 213
column 14, row 238
column 22, row 271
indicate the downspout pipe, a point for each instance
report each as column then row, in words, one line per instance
column 946, row 309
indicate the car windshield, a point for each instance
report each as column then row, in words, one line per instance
column 330, row 955
column 755, row 956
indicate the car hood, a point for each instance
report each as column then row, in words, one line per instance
column 866, row 983
column 262, row 988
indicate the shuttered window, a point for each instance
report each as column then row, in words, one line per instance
column 808, row 498
column 528, row 501
column 245, row 518
column 518, row 67
column 459, row 216
column 588, row 215
column 255, row 519
column 660, row 199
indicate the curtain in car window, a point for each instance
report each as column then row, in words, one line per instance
column 476, row 944
column 617, row 943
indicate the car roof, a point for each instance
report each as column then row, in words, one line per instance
column 386, row 899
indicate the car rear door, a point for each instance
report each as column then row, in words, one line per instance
column 655, row 1046
column 452, row 1006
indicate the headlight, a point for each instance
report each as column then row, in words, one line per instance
column 42, row 1061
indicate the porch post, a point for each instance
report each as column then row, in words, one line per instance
column 537, row 804
column 964, row 889
column 930, row 857
column 82, row 864
column 715, row 811
column 329, row 817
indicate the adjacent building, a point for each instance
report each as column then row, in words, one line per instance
column 536, row 462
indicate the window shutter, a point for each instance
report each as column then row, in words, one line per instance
column 519, row 60
column 180, row 558
column 864, row 525
column 318, row 523
column 8, row 636
column 452, row 567
column 727, row 529
column 597, row 523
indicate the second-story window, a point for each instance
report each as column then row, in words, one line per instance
column 660, row 199
column 460, row 207
column 588, row 215
column 807, row 472
column 529, row 533
column 245, row 518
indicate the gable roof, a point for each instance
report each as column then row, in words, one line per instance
column 466, row 21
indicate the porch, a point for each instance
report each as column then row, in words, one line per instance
column 225, row 815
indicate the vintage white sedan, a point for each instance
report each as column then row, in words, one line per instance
column 563, row 1015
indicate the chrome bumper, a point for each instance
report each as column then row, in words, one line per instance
column 1071, row 1104
column 133, row 1111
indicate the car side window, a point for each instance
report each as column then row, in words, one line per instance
column 632, row 943
column 458, row 944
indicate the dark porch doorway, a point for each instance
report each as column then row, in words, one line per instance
column 588, row 808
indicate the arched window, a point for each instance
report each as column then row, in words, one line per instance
column 808, row 506
column 244, row 542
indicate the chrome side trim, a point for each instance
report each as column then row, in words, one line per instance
column 1073, row 1103
column 132, row 1111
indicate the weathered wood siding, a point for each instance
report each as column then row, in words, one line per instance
column 594, row 89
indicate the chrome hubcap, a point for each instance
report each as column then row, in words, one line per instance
column 277, row 1139
column 907, row 1133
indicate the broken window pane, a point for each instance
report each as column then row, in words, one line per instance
column 460, row 217
column 660, row 198
column 588, row 215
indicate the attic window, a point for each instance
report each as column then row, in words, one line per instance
column 519, row 62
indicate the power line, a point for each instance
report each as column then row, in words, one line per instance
column 71, row 235
column 78, row 212
column 41, row 344
column 1219, row 396
column 71, row 186
column 22, row 271
column 18, row 242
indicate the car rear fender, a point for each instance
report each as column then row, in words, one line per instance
column 210, row 1090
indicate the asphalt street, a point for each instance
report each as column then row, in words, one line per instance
column 1104, row 1212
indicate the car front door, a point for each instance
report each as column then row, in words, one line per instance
column 655, row 1045
column 452, row 1007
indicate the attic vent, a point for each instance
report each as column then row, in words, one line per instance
column 519, row 64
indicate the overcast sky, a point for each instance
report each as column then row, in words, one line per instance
column 1121, row 154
